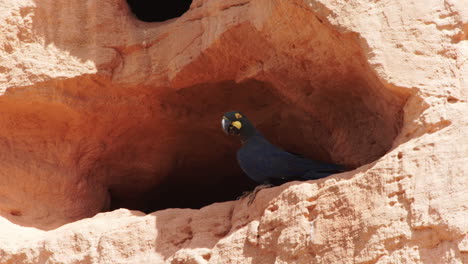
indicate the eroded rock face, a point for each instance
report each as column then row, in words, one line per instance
column 100, row 111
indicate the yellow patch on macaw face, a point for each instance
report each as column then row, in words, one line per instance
column 237, row 124
column 238, row 116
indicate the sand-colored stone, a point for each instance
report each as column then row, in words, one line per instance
column 94, row 102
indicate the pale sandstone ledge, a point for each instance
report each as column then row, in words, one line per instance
column 94, row 100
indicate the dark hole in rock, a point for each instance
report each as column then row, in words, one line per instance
column 16, row 213
column 204, row 168
column 400, row 155
column 157, row 11
column 186, row 188
column 452, row 99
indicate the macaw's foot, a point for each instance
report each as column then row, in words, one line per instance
column 253, row 194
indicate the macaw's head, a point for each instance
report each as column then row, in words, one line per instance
column 236, row 123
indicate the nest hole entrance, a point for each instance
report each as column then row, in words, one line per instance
column 191, row 163
column 158, row 11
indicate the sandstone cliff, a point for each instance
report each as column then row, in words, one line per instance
column 99, row 111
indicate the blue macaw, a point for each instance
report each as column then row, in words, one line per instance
column 268, row 164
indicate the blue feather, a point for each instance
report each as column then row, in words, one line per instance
column 265, row 162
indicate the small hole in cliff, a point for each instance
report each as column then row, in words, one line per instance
column 206, row 256
column 452, row 99
column 400, row 155
column 16, row 213
column 273, row 208
column 320, row 20
column 157, row 11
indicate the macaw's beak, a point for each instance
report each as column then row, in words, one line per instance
column 231, row 128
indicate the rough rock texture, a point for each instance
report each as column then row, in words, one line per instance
column 98, row 110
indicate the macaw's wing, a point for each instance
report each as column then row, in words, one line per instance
column 318, row 169
column 301, row 168
column 263, row 161
column 321, row 169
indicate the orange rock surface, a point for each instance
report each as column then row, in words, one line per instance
column 99, row 111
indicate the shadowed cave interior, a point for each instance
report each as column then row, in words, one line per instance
column 158, row 11
column 345, row 128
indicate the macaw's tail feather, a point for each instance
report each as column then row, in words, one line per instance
column 322, row 172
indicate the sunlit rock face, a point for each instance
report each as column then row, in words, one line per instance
column 99, row 110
